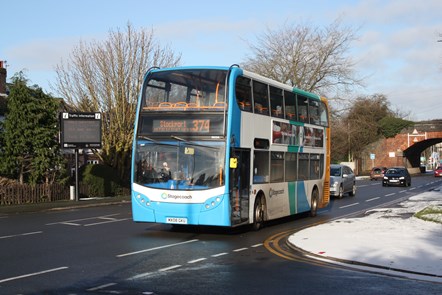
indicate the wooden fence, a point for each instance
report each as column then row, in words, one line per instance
column 16, row 194
column 22, row 194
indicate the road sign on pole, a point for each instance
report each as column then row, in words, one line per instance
column 80, row 131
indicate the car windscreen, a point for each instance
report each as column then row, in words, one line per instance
column 395, row 171
column 335, row 171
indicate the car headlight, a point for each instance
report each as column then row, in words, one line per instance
column 335, row 184
column 402, row 178
column 385, row 177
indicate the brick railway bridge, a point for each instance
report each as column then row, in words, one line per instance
column 404, row 149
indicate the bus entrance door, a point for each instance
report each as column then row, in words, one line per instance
column 239, row 185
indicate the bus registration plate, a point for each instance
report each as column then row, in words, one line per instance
column 178, row 220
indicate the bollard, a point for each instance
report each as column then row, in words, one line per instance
column 72, row 192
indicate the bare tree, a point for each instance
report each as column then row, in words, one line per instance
column 362, row 122
column 107, row 76
column 312, row 59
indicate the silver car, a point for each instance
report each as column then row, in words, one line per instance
column 342, row 181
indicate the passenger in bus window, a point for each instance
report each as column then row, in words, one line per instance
column 277, row 112
column 303, row 114
column 165, row 172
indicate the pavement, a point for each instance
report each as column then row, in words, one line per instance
column 391, row 241
column 63, row 205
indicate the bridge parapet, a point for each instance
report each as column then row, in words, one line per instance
column 425, row 126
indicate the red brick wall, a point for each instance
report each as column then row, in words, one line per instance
column 382, row 149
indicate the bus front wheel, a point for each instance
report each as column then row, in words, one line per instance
column 314, row 203
column 258, row 213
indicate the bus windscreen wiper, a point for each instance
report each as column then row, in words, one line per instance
column 146, row 138
column 193, row 144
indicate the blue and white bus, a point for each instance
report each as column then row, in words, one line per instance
column 222, row 146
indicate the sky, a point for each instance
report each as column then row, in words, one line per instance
column 397, row 49
column 391, row 238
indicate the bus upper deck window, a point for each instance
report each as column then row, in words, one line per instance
column 302, row 108
column 290, row 105
column 243, row 93
column 260, row 98
column 314, row 112
column 276, row 102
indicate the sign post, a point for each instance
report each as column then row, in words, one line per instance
column 80, row 131
column 372, row 157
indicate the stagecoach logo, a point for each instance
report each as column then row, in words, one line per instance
column 273, row 192
column 165, row 196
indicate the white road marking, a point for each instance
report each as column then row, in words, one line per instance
column 107, row 221
column 169, row 268
column 220, row 254
column 21, row 235
column 372, row 199
column 33, row 274
column 196, row 260
column 351, row 205
column 141, row 275
column 156, row 248
column 101, row 287
column 75, row 221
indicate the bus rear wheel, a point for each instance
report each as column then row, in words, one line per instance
column 314, row 203
column 258, row 213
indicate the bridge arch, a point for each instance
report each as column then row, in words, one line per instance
column 413, row 153
column 405, row 149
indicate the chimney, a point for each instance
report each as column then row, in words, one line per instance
column 2, row 77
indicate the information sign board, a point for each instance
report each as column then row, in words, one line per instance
column 80, row 130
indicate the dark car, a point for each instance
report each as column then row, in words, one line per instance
column 397, row 176
column 438, row 172
column 377, row 173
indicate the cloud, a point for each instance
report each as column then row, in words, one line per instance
column 394, row 13
column 398, row 52
column 39, row 54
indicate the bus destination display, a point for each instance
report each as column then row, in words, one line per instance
column 181, row 126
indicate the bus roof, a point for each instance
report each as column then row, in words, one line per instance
column 281, row 85
column 247, row 73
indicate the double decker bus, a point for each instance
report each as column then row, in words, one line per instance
column 222, row 146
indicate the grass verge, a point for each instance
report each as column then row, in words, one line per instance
column 431, row 213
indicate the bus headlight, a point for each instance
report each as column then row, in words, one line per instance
column 143, row 200
column 212, row 203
